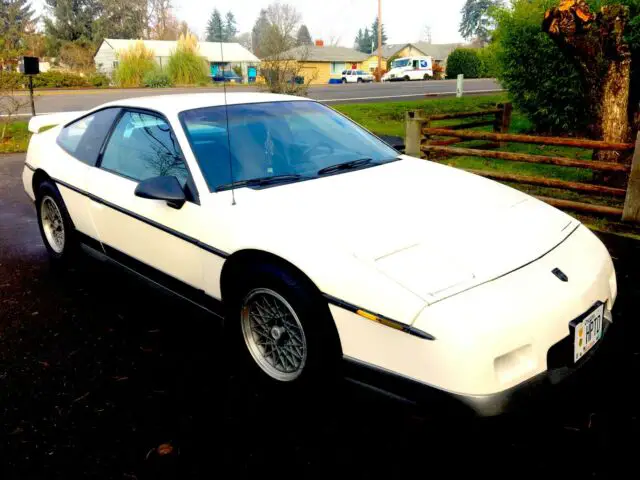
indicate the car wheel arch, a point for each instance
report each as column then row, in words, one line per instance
column 39, row 176
column 242, row 260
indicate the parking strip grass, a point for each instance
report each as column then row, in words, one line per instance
column 16, row 138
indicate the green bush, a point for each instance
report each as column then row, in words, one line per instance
column 464, row 61
column 57, row 79
column 489, row 61
column 540, row 80
column 99, row 80
column 186, row 66
column 157, row 79
column 133, row 64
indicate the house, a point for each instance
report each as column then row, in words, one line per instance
column 219, row 55
column 321, row 63
column 371, row 63
column 438, row 51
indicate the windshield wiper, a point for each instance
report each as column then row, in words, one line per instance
column 350, row 165
column 261, row 181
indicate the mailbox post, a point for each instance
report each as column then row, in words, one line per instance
column 30, row 66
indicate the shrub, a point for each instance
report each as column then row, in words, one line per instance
column 186, row 66
column 464, row 61
column 157, row 79
column 133, row 64
column 57, row 79
column 541, row 82
column 489, row 60
column 99, row 80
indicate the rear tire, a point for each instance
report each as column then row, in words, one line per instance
column 344, row 80
column 56, row 228
column 359, row 80
column 281, row 328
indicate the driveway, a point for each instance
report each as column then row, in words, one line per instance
column 97, row 371
column 49, row 101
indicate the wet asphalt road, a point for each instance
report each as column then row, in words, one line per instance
column 50, row 101
column 97, row 371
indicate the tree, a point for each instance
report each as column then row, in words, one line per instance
column 595, row 43
column 230, row 27
column 476, row 19
column 259, row 33
column 10, row 103
column 16, row 25
column 69, row 20
column 304, row 37
column 215, row 28
column 244, row 39
column 363, row 41
column 120, row 19
column 374, row 35
column 162, row 24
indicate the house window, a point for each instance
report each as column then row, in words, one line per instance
column 337, row 67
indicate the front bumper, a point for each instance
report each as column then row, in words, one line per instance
column 526, row 395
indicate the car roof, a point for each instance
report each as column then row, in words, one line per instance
column 174, row 104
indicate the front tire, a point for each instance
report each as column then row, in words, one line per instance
column 344, row 80
column 359, row 80
column 406, row 78
column 282, row 327
column 54, row 222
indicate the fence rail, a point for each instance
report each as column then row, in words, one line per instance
column 422, row 138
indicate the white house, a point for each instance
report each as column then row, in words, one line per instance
column 217, row 54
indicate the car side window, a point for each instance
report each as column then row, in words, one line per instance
column 83, row 138
column 143, row 146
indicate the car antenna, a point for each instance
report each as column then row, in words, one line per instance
column 226, row 114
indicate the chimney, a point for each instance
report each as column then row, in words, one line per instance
column 319, row 43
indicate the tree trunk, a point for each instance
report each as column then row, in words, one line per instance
column 596, row 43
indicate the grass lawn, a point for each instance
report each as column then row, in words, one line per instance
column 16, row 138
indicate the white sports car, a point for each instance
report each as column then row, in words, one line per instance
column 324, row 245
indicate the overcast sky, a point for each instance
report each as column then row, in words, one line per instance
column 404, row 20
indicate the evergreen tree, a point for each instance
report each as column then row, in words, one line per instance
column 374, row 36
column 476, row 21
column 259, row 33
column 215, row 27
column 230, row 28
column 70, row 20
column 16, row 23
column 304, row 37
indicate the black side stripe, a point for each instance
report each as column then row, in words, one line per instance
column 148, row 221
column 30, row 167
column 401, row 326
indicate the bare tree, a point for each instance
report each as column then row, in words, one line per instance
column 284, row 64
column 10, row 103
column 244, row 39
column 334, row 40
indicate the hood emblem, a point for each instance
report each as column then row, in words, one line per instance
column 560, row 274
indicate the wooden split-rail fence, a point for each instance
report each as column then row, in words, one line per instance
column 424, row 140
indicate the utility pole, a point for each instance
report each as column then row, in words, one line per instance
column 379, row 40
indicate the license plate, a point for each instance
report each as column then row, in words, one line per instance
column 587, row 333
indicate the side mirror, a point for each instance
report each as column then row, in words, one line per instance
column 162, row 188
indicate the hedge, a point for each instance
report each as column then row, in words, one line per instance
column 464, row 61
column 57, row 79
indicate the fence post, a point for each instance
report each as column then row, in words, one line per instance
column 503, row 120
column 631, row 212
column 459, row 86
column 413, row 133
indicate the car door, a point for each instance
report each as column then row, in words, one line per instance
column 75, row 153
column 146, row 235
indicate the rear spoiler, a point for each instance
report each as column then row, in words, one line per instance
column 52, row 119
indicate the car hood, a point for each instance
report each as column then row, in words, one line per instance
column 435, row 230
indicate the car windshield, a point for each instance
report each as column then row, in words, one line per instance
column 403, row 62
column 296, row 138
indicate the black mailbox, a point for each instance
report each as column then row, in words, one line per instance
column 30, row 65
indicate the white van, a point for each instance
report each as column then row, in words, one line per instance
column 410, row 68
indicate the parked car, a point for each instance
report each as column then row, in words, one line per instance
column 324, row 244
column 227, row 76
column 410, row 68
column 356, row 76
